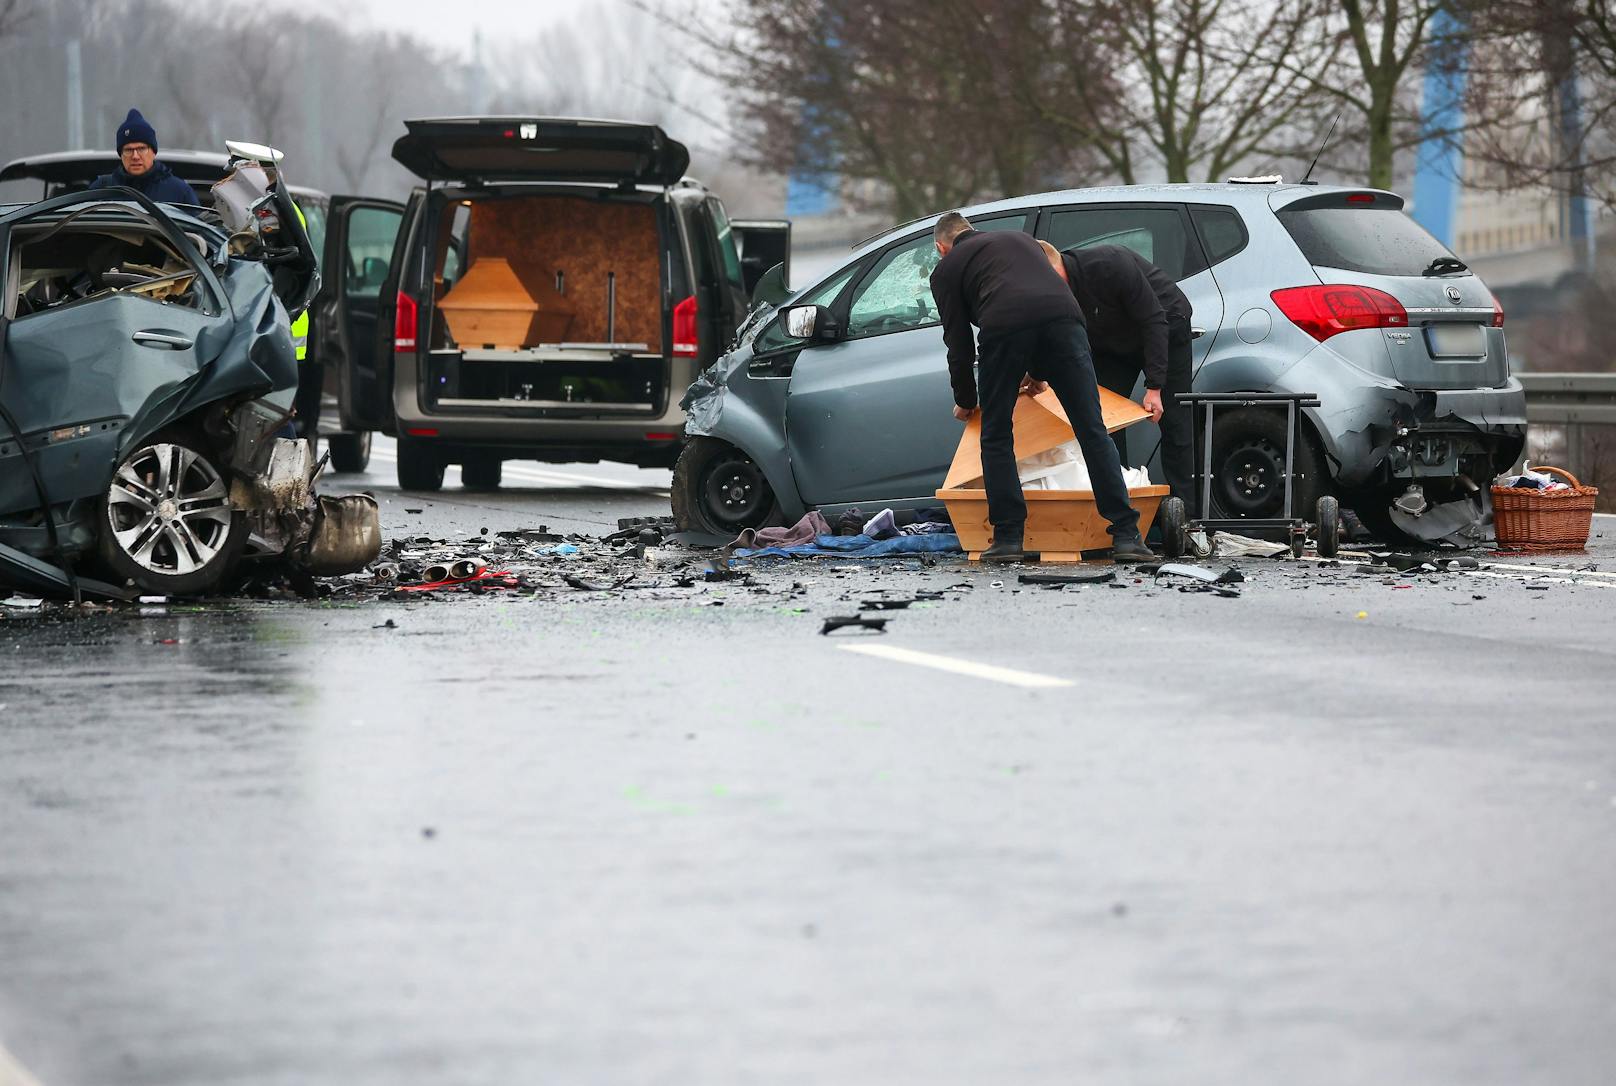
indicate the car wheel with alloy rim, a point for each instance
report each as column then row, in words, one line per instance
column 167, row 524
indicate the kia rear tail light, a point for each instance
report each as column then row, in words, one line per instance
column 406, row 319
column 1329, row 310
column 1498, row 314
column 685, row 339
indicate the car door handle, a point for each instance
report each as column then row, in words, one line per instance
column 171, row 341
column 1197, row 333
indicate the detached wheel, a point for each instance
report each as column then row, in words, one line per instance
column 420, row 466
column 1248, row 465
column 719, row 489
column 482, row 473
column 350, row 453
column 1173, row 524
column 166, row 521
column 1328, row 519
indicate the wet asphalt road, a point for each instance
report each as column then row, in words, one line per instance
column 679, row 837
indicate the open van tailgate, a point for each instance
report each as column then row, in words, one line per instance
column 491, row 149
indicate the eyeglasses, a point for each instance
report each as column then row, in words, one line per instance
column 135, row 149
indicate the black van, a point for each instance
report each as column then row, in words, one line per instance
column 547, row 294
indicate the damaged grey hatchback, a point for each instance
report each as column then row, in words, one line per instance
column 147, row 365
column 839, row 395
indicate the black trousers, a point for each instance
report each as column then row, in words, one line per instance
column 310, row 378
column 1120, row 372
column 1057, row 352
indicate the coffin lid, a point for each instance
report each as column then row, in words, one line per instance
column 1041, row 425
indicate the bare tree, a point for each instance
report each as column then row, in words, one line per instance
column 1206, row 85
column 917, row 96
column 1543, row 79
column 264, row 74
column 15, row 15
column 1382, row 43
column 385, row 66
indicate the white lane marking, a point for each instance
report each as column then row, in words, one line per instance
column 13, row 1073
column 958, row 667
column 1549, row 569
column 1537, row 573
column 540, row 476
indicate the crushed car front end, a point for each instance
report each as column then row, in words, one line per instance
column 148, row 366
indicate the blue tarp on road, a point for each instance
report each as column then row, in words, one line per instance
column 859, row 546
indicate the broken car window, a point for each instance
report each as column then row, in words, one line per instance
column 775, row 338
column 896, row 295
column 52, row 267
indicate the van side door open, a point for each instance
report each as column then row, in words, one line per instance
column 762, row 243
column 359, row 249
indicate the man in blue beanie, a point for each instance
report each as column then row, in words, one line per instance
column 138, row 167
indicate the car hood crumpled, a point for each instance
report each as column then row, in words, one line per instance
column 703, row 402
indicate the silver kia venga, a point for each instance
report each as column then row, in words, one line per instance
column 838, row 395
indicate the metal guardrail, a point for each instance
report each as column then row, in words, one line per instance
column 1571, row 423
column 1570, row 397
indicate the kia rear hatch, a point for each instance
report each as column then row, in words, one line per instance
column 1450, row 334
column 476, row 150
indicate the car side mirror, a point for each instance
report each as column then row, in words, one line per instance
column 814, row 323
column 372, row 271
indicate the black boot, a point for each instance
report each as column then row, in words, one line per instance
column 1129, row 551
column 1005, row 550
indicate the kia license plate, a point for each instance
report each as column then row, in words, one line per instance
column 1456, row 340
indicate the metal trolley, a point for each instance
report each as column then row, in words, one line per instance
column 1175, row 524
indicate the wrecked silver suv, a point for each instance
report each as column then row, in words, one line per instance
column 147, row 367
column 843, row 398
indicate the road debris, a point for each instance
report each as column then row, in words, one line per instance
column 1056, row 580
column 1198, row 573
column 843, row 622
column 1230, row 545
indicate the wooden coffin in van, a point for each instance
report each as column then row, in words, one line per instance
column 505, row 307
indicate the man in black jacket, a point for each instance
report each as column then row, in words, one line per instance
column 138, row 167
column 1032, row 329
column 1138, row 322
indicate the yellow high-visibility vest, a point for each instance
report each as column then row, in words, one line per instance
column 300, row 327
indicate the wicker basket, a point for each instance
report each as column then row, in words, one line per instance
column 1544, row 520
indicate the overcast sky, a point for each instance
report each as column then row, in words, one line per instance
column 452, row 26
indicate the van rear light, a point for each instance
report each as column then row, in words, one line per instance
column 1328, row 310
column 406, row 319
column 684, row 328
column 1498, row 314
column 421, row 432
column 661, row 435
